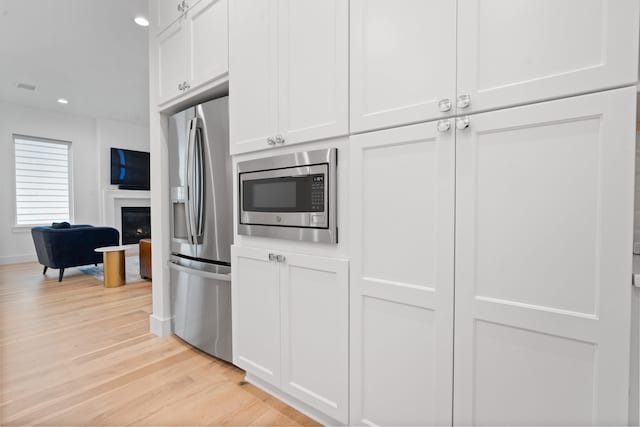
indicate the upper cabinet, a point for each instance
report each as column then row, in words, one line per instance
column 168, row 11
column 193, row 50
column 404, row 67
column 289, row 62
column 517, row 52
column 403, row 62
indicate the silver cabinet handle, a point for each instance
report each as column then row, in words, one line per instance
column 186, row 86
column 272, row 257
column 271, row 141
column 445, row 105
column 281, row 258
column 464, row 101
column 180, row 8
column 463, row 123
column 180, row 86
column 185, row 5
column 279, row 139
column 444, row 125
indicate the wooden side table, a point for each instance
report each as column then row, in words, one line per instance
column 114, row 265
column 145, row 258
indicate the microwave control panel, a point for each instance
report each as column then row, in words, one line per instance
column 317, row 193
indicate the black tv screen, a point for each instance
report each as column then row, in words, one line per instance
column 130, row 169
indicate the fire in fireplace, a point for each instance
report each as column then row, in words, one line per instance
column 136, row 224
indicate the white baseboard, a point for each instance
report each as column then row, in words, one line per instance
column 160, row 327
column 17, row 259
column 292, row 401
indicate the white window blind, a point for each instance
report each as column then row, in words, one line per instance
column 42, row 181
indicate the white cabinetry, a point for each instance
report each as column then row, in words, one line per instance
column 289, row 60
column 291, row 325
column 544, row 204
column 402, row 213
column 168, row 11
column 403, row 62
column 517, row 52
column 543, row 214
column 193, row 50
column 408, row 56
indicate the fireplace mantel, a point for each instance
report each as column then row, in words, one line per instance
column 114, row 199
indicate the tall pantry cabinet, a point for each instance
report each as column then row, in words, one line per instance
column 491, row 245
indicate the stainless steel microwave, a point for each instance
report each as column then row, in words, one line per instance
column 292, row 196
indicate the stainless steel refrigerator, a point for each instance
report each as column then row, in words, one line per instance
column 200, row 176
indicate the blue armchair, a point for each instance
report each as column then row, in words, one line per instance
column 71, row 246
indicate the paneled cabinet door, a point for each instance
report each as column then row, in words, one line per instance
column 167, row 11
column 253, row 104
column 208, row 41
column 256, row 313
column 403, row 62
column 315, row 332
column 313, row 69
column 544, row 227
column 518, row 52
column 402, row 212
column 172, row 61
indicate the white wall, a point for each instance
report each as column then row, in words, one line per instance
column 90, row 139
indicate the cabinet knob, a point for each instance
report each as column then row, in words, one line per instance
column 272, row 257
column 281, row 258
column 180, row 86
column 464, row 101
column 271, row 141
column 445, row 105
column 279, row 139
column 185, row 5
column 444, row 125
column 180, row 8
column 463, row 123
column 186, row 86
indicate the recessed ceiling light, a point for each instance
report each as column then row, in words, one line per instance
column 63, row 101
column 141, row 20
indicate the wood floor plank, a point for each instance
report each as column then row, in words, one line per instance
column 74, row 353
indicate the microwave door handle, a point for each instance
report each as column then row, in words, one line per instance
column 198, row 178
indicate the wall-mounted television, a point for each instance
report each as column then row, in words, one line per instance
column 130, row 169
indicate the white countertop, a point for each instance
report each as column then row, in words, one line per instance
column 636, row 270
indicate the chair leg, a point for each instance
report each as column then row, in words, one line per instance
column 60, row 275
column 45, row 270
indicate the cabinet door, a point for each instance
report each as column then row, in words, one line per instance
column 517, row 52
column 172, row 61
column 313, row 69
column 167, row 12
column 402, row 211
column 256, row 313
column 208, row 42
column 403, row 61
column 253, row 65
column 544, row 227
column 315, row 332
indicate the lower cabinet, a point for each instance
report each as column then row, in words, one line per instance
column 291, row 320
column 542, row 197
column 402, row 215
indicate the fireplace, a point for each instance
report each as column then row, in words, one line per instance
column 136, row 224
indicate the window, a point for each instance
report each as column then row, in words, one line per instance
column 42, row 181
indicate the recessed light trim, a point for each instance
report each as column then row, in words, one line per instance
column 141, row 20
column 62, row 101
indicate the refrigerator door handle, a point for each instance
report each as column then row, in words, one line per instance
column 187, row 169
column 198, row 179
column 200, row 273
column 190, row 181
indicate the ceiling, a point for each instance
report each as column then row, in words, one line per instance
column 87, row 51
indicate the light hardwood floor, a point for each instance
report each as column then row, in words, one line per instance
column 75, row 353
